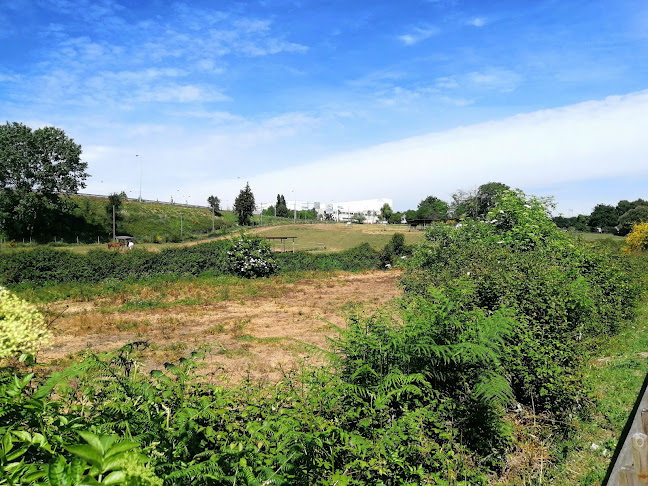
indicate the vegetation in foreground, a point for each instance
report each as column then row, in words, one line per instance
column 497, row 317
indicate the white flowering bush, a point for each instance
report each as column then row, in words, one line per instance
column 22, row 327
column 251, row 257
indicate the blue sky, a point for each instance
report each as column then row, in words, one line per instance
column 338, row 100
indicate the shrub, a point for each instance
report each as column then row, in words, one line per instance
column 562, row 293
column 637, row 240
column 393, row 250
column 22, row 327
column 251, row 257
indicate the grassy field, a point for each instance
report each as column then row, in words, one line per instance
column 309, row 237
column 339, row 236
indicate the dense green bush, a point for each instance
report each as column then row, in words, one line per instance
column 562, row 293
column 362, row 257
column 45, row 265
column 311, row 428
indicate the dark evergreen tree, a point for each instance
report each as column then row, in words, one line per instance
column 244, row 205
column 282, row 208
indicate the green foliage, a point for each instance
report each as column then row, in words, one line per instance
column 605, row 217
column 35, row 167
column 362, row 257
column 244, row 205
column 432, row 208
column 214, row 203
column 42, row 266
column 386, row 212
column 282, row 209
column 477, row 204
column 638, row 214
column 312, row 428
column 562, row 293
column 394, row 251
column 251, row 257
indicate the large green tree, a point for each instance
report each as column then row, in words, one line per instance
column 432, row 208
column 637, row 215
column 37, row 169
column 605, row 217
column 244, row 205
column 386, row 212
column 477, row 204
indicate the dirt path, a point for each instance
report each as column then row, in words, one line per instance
column 254, row 336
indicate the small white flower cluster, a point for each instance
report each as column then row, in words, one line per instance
column 22, row 327
column 249, row 260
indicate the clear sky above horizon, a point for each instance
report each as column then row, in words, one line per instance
column 338, row 100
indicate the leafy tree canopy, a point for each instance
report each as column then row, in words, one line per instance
column 635, row 216
column 432, row 208
column 386, row 212
column 214, row 203
column 477, row 204
column 244, row 205
column 36, row 168
column 603, row 216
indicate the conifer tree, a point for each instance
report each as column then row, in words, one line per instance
column 244, row 205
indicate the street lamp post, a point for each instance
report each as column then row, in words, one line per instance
column 140, row 191
column 295, row 208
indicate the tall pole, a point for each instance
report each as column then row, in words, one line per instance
column 213, row 216
column 114, row 222
column 140, row 193
column 295, row 209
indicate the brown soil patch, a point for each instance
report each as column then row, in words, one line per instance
column 256, row 336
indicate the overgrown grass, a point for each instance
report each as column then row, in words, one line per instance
column 339, row 236
column 616, row 374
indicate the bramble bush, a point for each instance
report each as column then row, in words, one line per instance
column 42, row 266
column 563, row 294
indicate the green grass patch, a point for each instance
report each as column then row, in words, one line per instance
column 616, row 373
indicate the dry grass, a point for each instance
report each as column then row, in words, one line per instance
column 252, row 328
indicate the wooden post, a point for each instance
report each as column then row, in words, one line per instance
column 627, row 476
column 640, row 456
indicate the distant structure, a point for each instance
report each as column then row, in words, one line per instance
column 342, row 211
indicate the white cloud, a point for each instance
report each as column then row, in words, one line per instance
column 593, row 140
column 477, row 22
column 417, row 35
column 596, row 140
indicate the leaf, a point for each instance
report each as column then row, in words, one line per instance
column 87, row 453
column 56, row 472
column 115, row 477
column 93, row 440
column 120, row 447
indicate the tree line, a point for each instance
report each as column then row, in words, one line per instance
column 606, row 218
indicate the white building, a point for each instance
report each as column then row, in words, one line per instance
column 339, row 211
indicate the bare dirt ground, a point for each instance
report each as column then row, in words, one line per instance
column 259, row 336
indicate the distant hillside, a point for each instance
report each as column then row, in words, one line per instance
column 148, row 222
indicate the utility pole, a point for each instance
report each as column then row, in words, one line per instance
column 140, row 193
column 114, row 235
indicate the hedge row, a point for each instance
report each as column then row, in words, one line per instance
column 47, row 265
